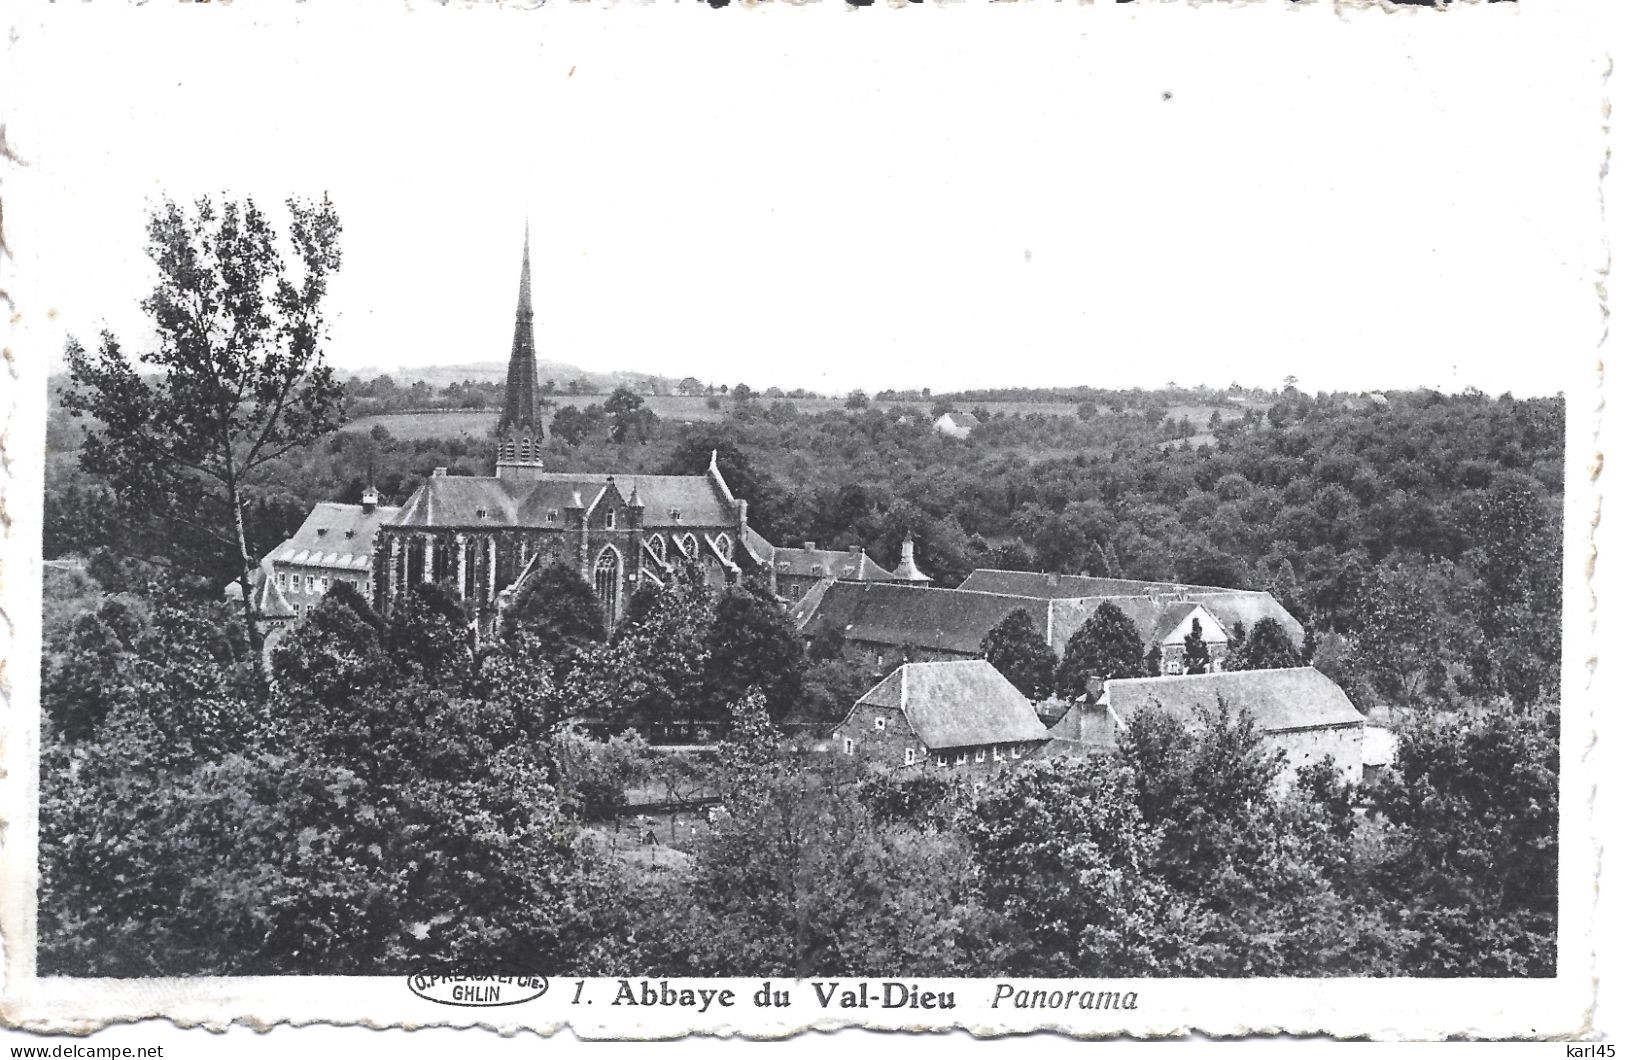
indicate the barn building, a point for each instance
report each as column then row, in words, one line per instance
column 1298, row 710
column 942, row 715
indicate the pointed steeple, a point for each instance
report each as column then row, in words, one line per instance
column 907, row 570
column 519, row 406
column 519, row 431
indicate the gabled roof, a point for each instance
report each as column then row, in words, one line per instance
column 1156, row 616
column 269, row 600
column 894, row 613
column 958, row 704
column 335, row 535
column 961, row 419
column 458, row 500
column 758, row 546
column 1280, row 700
column 1214, row 630
column 851, row 565
column 1070, row 586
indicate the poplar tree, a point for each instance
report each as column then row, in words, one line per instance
column 235, row 379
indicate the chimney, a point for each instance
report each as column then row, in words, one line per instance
column 369, row 500
column 1092, row 689
column 853, row 550
column 439, row 472
column 810, row 546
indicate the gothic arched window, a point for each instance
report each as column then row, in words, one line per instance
column 657, row 545
column 725, row 546
column 606, row 580
column 688, row 546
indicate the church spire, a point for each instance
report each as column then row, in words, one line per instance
column 519, row 431
column 519, row 408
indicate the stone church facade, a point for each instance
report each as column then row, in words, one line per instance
column 484, row 535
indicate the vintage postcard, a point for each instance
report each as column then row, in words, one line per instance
column 658, row 519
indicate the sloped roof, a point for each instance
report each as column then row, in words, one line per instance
column 269, row 600
column 1156, row 616
column 1214, row 631
column 958, row 704
column 457, row 500
column 851, row 565
column 802, row 610
column 1070, row 586
column 960, row 419
column 1297, row 698
column 694, row 497
column 335, row 535
column 758, row 545
column 905, row 615
column 1236, row 605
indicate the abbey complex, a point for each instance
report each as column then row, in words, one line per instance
column 484, row 536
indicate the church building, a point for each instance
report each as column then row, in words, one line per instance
column 484, row 535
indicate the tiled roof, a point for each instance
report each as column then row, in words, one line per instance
column 269, row 600
column 758, row 546
column 1070, row 586
column 962, row 419
column 335, row 535
column 458, row 500
column 958, row 704
column 903, row 615
column 851, row 565
column 1297, row 698
column 1156, row 616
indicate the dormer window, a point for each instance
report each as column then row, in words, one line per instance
column 676, row 515
column 479, row 513
column 349, row 533
column 552, row 515
column 321, row 531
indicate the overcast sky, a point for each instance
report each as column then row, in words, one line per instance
column 941, row 196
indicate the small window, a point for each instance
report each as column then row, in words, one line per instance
column 609, row 519
column 961, row 760
column 281, row 579
column 784, row 568
column 880, row 659
column 818, row 569
column 552, row 515
column 880, row 725
column 676, row 515
column 848, row 743
column 310, row 583
column 908, row 757
column 479, row 513
column 325, row 583
column 981, row 754
column 321, row 531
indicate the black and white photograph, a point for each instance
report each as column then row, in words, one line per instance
column 647, row 518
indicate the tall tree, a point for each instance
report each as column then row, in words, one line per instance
column 1106, row 646
column 1267, row 647
column 559, row 609
column 1018, row 651
column 1197, row 658
column 237, row 377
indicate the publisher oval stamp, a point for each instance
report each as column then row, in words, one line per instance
column 477, row 991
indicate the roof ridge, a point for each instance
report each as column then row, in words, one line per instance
column 1217, row 673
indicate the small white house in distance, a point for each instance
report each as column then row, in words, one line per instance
column 957, row 424
column 1299, row 710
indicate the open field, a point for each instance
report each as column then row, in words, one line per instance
column 410, row 426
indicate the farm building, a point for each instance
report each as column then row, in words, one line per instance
column 1299, row 710
column 941, row 715
column 956, row 424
